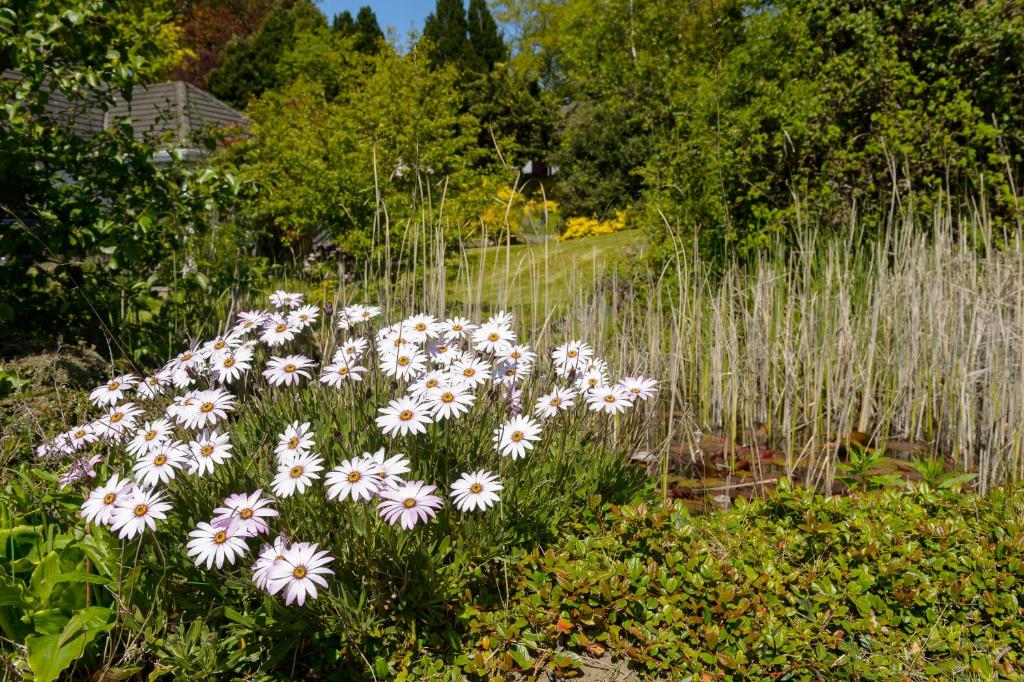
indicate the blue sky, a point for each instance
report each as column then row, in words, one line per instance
column 401, row 14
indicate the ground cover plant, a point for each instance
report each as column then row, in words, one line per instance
column 341, row 471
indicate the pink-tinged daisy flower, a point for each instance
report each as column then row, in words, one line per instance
column 119, row 422
column 208, row 408
column 550, row 404
column 511, row 373
column 221, row 344
column 285, row 299
column 403, row 364
column 296, row 441
column 297, row 476
column 470, row 371
column 516, row 436
column 182, row 378
column 80, row 470
column 478, row 490
column 112, row 392
column 443, row 353
column 493, row 338
column 569, row 356
column 231, row 365
column 248, row 513
column 214, row 544
column 456, row 328
column 591, row 379
column 357, row 314
column 352, row 478
column 149, row 437
column 159, row 465
column 299, row 574
column 450, row 402
column 135, row 512
column 403, row 417
column 502, row 319
column 337, row 373
column 609, row 399
column 101, row 503
column 640, row 388
column 269, row 557
column 77, row 438
column 277, row 330
column 388, row 470
column 152, row 386
column 187, row 361
column 209, row 450
column 303, row 316
column 287, row 371
column 516, row 355
column 250, row 320
column 409, row 503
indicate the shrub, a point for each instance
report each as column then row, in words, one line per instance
column 396, row 573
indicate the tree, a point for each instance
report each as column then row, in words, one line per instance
column 484, row 38
column 446, row 32
column 365, row 29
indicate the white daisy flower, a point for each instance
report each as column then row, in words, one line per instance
column 569, row 356
column 351, row 350
column 426, row 383
column 609, row 399
column 299, row 573
column 516, row 436
column 640, row 388
column 269, row 557
column 388, row 470
column 285, row 299
column 209, row 450
column 450, row 402
column 160, row 464
column 511, row 373
column 403, row 364
column 277, row 330
column 337, row 373
column 409, row 503
column 182, row 378
column 135, row 512
column 404, row 416
column 248, row 513
column 591, row 379
column 478, row 490
column 250, row 320
column 297, row 476
column 443, row 353
column 152, row 386
column 352, row 478
column 208, row 408
column 517, row 354
column 149, row 437
column 112, row 392
column 304, row 316
column 231, row 365
column 296, row 441
column 101, row 503
column 186, row 361
column 470, row 371
column 287, row 371
column 77, row 438
column 493, row 338
column 357, row 314
column 550, row 404
column 214, row 544
column 118, row 423
column 221, row 344
column 455, row 328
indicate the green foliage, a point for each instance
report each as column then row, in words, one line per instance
column 364, row 28
column 881, row 586
column 92, row 226
column 484, row 37
column 469, row 41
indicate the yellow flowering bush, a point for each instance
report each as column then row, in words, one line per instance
column 585, row 226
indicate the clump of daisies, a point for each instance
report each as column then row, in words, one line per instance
column 157, row 435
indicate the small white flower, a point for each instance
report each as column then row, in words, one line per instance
column 269, row 557
column 456, row 328
column 277, row 330
column 353, row 478
column 287, row 371
column 404, row 416
column 470, row 371
column 609, row 399
column 304, row 316
column 357, row 314
column 247, row 512
column 118, row 423
column 426, row 383
column 388, row 470
column 351, row 351
column 100, row 506
column 113, row 391
column 135, row 512
column 640, row 388
column 516, row 436
column 569, row 356
column 159, row 465
column 207, row 408
column 209, row 450
column 152, row 386
column 149, row 437
column 299, row 573
column 478, row 490
column 296, row 441
column 403, row 364
column 214, row 544
column 285, row 299
column 450, row 402
column 231, row 365
column 558, row 400
column 297, row 476
column 337, row 373
column 409, row 503
column 493, row 338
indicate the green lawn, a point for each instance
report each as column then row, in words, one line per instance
column 547, row 273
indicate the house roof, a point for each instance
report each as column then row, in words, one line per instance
column 175, row 107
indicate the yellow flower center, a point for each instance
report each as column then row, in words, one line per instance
column 186, row 357
column 299, row 572
column 354, row 477
column 555, row 402
column 515, row 355
column 245, row 514
column 456, row 327
column 150, row 435
column 80, row 433
column 207, row 450
column 475, row 488
column 421, row 327
column 410, row 502
column 109, row 498
column 592, row 382
column 517, row 436
column 229, row 362
column 303, row 318
column 635, row 391
column 343, row 371
column 431, row 383
column 293, row 443
column 447, row 397
column 117, row 416
column 571, row 354
column 289, row 368
column 220, row 344
column 442, row 349
column 403, row 361
column 206, row 407
column 296, row 471
column 609, row 398
column 406, row 415
column 220, row 537
column 468, row 372
column 113, row 386
column 280, row 328
column 493, row 336
column 160, row 460
column 141, row 509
